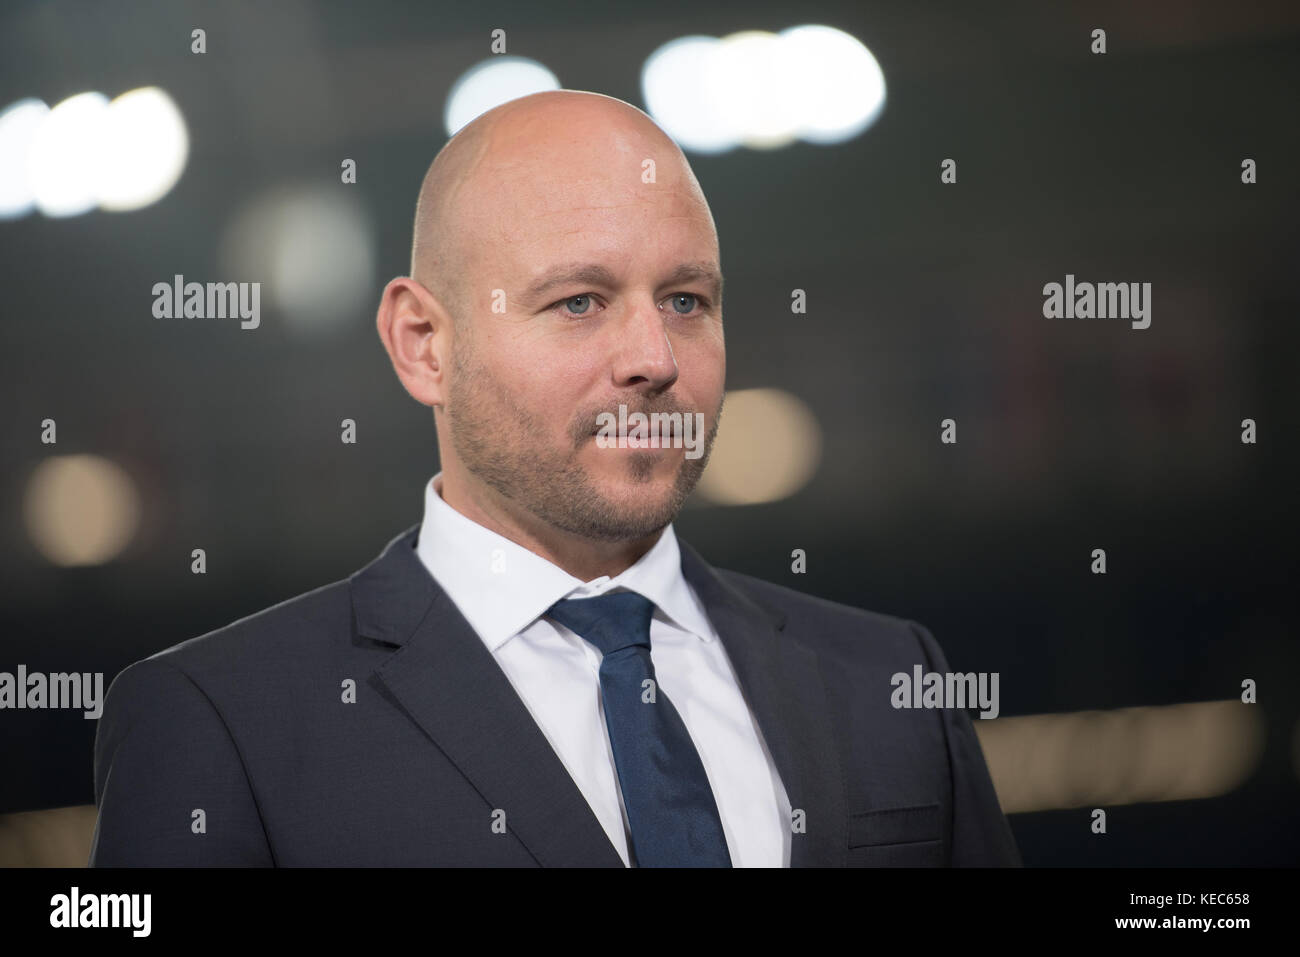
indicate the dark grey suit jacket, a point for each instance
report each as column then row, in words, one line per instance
column 237, row 747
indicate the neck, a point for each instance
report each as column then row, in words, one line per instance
column 582, row 558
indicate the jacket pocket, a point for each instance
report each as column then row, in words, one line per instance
column 896, row 825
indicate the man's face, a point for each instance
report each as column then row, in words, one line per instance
column 528, row 380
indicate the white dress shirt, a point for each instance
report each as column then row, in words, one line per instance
column 502, row 589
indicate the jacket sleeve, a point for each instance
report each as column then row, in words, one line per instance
column 163, row 754
column 981, row 836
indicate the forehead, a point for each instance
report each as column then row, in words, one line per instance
column 590, row 221
column 530, row 221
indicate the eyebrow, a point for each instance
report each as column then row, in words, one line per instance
column 704, row 272
column 597, row 275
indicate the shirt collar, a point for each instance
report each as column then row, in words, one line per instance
column 501, row 587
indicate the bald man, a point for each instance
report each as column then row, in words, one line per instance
column 540, row 673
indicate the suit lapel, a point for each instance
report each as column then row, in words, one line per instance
column 450, row 685
column 783, row 685
column 452, row 688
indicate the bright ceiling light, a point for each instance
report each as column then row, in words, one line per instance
column 88, row 152
column 763, row 90
column 839, row 85
column 491, row 83
column 670, row 84
column 61, row 163
column 18, row 126
column 749, row 81
column 144, row 151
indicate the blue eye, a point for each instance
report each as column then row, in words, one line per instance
column 684, row 295
column 579, row 306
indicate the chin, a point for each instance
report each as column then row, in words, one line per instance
column 639, row 472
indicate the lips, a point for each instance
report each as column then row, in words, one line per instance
column 637, row 429
column 664, row 435
column 669, row 433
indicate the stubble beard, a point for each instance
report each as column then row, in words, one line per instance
column 508, row 449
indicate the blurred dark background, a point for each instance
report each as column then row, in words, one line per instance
column 925, row 302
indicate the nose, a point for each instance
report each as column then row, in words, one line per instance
column 645, row 353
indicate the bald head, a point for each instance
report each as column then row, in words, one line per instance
column 564, row 138
column 564, row 269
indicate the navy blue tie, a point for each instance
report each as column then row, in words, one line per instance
column 670, row 806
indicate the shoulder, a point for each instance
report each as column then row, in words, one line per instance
column 299, row 625
column 287, row 641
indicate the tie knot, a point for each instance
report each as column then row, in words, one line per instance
column 611, row 622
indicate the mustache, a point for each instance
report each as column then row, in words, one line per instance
column 589, row 424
